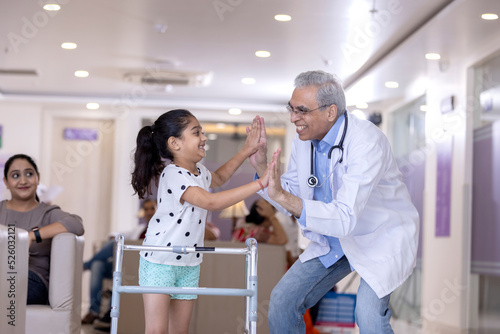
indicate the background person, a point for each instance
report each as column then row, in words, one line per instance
column 345, row 189
column 101, row 264
column 262, row 224
column 41, row 220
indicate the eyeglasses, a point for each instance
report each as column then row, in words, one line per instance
column 302, row 111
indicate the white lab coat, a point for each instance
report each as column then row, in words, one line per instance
column 371, row 212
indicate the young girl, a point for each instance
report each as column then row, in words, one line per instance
column 183, row 201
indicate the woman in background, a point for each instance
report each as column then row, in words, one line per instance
column 41, row 220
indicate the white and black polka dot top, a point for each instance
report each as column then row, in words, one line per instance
column 176, row 224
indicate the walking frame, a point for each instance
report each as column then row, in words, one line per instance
column 250, row 291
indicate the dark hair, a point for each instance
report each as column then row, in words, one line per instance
column 254, row 216
column 25, row 157
column 152, row 148
column 19, row 156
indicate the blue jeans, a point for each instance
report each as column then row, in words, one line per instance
column 304, row 284
column 101, row 267
column 37, row 291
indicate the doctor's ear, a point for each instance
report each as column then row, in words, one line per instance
column 332, row 112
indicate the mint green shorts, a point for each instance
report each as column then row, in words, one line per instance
column 154, row 274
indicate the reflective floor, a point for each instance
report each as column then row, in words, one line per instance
column 488, row 323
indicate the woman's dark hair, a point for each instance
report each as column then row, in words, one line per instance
column 254, row 216
column 19, row 156
column 25, row 157
column 152, row 148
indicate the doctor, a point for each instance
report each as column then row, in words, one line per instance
column 345, row 189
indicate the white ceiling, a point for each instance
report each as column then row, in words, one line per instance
column 116, row 37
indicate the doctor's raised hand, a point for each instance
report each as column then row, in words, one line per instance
column 275, row 191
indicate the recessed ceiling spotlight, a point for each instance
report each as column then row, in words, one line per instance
column 92, row 106
column 432, row 56
column 248, row 81
column 68, row 46
column 282, row 17
column 391, row 84
column 234, row 111
column 52, row 7
column 81, row 74
column 424, row 107
column 489, row 16
column 362, row 105
column 263, row 54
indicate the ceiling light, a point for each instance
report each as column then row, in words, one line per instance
column 391, row 84
column 234, row 111
column 81, row 74
column 220, row 125
column 489, row 16
column 432, row 56
column 68, row 46
column 92, row 106
column 282, row 17
column 52, row 7
column 248, row 81
column 263, row 54
column 362, row 105
column 358, row 113
column 424, row 107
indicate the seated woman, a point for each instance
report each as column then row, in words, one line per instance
column 261, row 224
column 43, row 221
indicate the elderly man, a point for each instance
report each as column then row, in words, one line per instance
column 345, row 189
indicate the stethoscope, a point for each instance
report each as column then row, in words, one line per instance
column 312, row 181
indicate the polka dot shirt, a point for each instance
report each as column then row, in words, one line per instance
column 176, row 224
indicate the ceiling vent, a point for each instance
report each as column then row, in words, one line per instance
column 175, row 78
column 21, row 72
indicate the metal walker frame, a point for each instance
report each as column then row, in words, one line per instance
column 250, row 291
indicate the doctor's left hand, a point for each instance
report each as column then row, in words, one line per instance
column 274, row 189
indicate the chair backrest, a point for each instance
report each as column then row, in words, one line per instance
column 14, row 246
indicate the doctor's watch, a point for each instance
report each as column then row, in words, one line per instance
column 37, row 235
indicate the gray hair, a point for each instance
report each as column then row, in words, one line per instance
column 330, row 89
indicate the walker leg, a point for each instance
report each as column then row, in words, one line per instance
column 117, row 282
column 251, row 284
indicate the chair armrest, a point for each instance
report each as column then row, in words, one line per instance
column 14, row 244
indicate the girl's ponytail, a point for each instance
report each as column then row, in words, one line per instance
column 148, row 163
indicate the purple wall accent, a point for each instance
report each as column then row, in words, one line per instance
column 443, row 187
column 414, row 178
column 486, row 199
column 80, row 134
